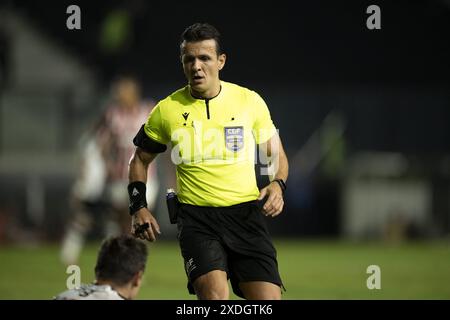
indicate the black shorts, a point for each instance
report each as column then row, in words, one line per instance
column 234, row 239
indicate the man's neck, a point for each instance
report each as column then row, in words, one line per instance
column 209, row 94
column 122, row 291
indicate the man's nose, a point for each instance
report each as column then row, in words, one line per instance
column 196, row 65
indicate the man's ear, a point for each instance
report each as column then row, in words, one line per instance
column 222, row 58
column 137, row 279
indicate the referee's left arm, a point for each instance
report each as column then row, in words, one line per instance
column 274, row 150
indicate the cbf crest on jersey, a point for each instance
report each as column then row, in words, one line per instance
column 234, row 138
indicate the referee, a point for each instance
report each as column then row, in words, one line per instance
column 213, row 127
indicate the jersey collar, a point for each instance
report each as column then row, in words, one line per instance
column 200, row 98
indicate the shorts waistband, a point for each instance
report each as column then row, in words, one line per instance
column 235, row 206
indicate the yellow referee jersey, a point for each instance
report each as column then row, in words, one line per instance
column 213, row 143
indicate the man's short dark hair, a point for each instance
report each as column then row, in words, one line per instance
column 120, row 258
column 200, row 32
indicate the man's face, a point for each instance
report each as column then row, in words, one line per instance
column 201, row 65
column 127, row 93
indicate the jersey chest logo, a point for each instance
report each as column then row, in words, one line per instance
column 234, row 138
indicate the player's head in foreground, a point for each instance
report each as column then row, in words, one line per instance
column 202, row 58
column 121, row 264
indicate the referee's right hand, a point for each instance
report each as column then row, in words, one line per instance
column 141, row 217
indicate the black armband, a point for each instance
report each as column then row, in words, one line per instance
column 142, row 141
column 137, row 192
column 282, row 184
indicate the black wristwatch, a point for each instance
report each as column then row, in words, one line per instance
column 282, row 184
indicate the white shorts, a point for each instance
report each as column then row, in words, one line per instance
column 90, row 183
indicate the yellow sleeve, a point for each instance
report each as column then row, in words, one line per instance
column 155, row 127
column 263, row 127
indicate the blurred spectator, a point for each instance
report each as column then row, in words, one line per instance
column 99, row 196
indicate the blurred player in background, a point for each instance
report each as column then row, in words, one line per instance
column 103, row 174
column 120, row 266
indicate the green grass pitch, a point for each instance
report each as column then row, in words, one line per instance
column 310, row 270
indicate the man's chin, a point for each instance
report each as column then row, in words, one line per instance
column 199, row 88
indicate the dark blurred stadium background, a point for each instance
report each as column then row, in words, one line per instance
column 364, row 114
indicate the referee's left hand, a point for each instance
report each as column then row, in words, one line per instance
column 274, row 204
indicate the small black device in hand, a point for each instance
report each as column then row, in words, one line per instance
column 141, row 229
column 172, row 205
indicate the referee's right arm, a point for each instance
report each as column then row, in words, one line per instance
column 137, row 175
